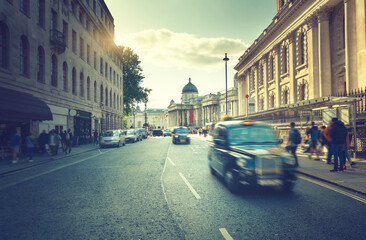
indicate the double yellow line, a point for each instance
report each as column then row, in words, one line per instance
column 334, row 189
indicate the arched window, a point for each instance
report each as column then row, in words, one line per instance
column 40, row 64
column 4, row 46
column 74, row 81
column 54, row 70
column 81, row 84
column 24, row 56
column 261, row 75
column 106, row 96
column 95, row 91
column 101, row 93
column 88, row 88
column 110, row 98
column 302, row 49
column 284, row 59
column 65, row 72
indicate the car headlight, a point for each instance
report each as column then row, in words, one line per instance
column 241, row 162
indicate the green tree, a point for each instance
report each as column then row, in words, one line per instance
column 133, row 92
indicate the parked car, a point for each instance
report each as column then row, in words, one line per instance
column 180, row 135
column 132, row 136
column 112, row 138
column 246, row 151
column 157, row 133
column 167, row 132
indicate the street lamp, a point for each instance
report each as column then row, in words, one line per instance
column 226, row 59
column 181, row 111
column 145, row 113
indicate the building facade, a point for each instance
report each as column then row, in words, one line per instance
column 196, row 111
column 311, row 49
column 154, row 117
column 62, row 53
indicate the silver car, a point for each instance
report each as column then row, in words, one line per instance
column 132, row 135
column 112, row 138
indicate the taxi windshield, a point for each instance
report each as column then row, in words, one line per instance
column 250, row 135
column 181, row 130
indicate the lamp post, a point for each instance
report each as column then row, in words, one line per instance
column 181, row 112
column 145, row 113
column 226, row 59
column 134, row 118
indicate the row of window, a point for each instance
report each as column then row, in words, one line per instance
column 271, row 63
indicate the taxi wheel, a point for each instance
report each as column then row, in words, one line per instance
column 231, row 179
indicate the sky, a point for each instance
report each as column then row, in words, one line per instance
column 181, row 39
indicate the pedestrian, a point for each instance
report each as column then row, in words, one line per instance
column 96, row 142
column 14, row 143
column 307, row 140
column 53, row 142
column 338, row 133
column 68, row 141
column 347, row 146
column 58, row 142
column 293, row 140
column 43, row 140
column 314, row 138
column 322, row 138
column 30, row 141
column 329, row 141
column 63, row 140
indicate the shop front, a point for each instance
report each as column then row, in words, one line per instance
column 82, row 127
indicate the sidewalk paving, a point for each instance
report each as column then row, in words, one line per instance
column 6, row 166
column 354, row 178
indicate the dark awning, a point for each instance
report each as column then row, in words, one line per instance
column 16, row 105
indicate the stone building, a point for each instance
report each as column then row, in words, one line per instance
column 63, row 54
column 196, row 111
column 155, row 117
column 311, row 49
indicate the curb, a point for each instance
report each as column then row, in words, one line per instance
column 46, row 161
column 331, row 182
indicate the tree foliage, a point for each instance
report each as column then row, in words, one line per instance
column 133, row 92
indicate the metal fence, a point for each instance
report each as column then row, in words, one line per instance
column 360, row 93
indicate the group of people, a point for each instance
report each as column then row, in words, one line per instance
column 53, row 139
column 336, row 137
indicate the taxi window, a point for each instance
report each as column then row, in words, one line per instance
column 220, row 133
column 251, row 135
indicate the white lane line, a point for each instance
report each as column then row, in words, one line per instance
column 170, row 161
column 334, row 189
column 49, row 171
column 225, row 234
column 190, row 186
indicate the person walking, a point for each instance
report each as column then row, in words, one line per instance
column 53, row 142
column 43, row 140
column 14, row 143
column 96, row 142
column 346, row 147
column 329, row 141
column 314, row 138
column 294, row 139
column 68, row 141
column 338, row 134
column 30, row 141
column 58, row 142
column 63, row 141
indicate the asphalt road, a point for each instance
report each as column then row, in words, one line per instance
column 157, row 190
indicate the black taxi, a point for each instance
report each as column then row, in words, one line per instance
column 180, row 135
column 247, row 152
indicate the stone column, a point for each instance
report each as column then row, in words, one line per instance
column 265, row 82
column 255, row 69
column 277, row 74
column 313, row 56
column 359, row 7
column 325, row 83
column 292, row 66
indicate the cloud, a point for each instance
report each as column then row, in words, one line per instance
column 166, row 48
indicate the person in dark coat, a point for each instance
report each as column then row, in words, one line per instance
column 43, row 140
column 338, row 133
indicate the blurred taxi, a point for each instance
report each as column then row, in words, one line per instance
column 246, row 152
column 180, row 135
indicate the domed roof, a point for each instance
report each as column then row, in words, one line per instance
column 190, row 88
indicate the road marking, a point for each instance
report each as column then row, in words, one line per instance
column 190, row 186
column 225, row 234
column 170, row 161
column 334, row 189
column 50, row 171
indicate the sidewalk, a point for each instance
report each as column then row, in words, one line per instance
column 7, row 167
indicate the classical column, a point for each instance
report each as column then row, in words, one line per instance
column 277, row 74
column 292, row 66
column 255, row 82
column 325, row 84
column 313, row 56
column 265, row 82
